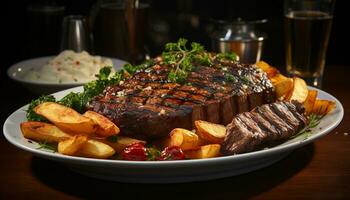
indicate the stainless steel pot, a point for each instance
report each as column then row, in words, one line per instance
column 240, row 37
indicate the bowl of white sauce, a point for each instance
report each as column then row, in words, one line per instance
column 69, row 69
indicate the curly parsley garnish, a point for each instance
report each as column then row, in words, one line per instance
column 31, row 115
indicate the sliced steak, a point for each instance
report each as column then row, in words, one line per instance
column 146, row 105
column 262, row 127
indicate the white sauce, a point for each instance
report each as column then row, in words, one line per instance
column 69, row 67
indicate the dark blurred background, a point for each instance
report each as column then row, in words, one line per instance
column 25, row 34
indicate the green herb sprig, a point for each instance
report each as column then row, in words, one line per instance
column 47, row 146
column 181, row 58
column 314, row 120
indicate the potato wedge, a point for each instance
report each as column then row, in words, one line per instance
column 182, row 138
column 66, row 118
column 310, row 101
column 105, row 126
column 121, row 142
column 283, row 85
column 207, row 151
column 96, row 149
column 44, row 132
column 299, row 92
column 269, row 70
column 72, row 145
column 211, row 132
column 322, row 107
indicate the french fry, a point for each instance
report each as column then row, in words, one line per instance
column 121, row 142
column 66, row 118
column 41, row 131
column 72, row 145
column 182, row 138
column 105, row 126
column 211, row 132
column 322, row 107
column 310, row 101
column 207, row 151
column 96, row 149
column 299, row 92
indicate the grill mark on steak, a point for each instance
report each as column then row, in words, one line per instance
column 206, row 95
column 296, row 109
column 262, row 127
column 276, row 121
column 283, row 112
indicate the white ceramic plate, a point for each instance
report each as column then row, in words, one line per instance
column 19, row 70
column 171, row 171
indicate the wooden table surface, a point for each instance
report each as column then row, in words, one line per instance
column 320, row 170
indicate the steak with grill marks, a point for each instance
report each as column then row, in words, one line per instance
column 264, row 126
column 146, row 105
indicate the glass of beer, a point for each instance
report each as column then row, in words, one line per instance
column 307, row 28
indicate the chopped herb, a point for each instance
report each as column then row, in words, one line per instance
column 245, row 80
column 152, row 153
column 229, row 77
column 113, row 138
column 227, row 56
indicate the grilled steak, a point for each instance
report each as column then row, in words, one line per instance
column 147, row 105
column 263, row 126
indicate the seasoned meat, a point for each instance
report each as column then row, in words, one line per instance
column 147, row 105
column 263, row 126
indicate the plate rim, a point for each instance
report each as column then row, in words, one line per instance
column 192, row 162
column 16, row 65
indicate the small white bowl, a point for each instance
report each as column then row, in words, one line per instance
column 17, row 72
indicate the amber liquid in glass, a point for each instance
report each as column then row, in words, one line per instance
column 307, row 35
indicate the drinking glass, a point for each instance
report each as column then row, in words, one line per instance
column 307, row 28
column 75, row 34
column 120, row 29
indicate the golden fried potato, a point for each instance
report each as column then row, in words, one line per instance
column 66, row 118
column 72, row 145
column 269, row 70
column 211, row 132
column 44, row 132
column 322, row 107
column 105, row 126
column 182, row 138
column 96, row 149
column 283, row 85
column 121, row 142
column 207, row 151
column 310, row 101
column 299, row 92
